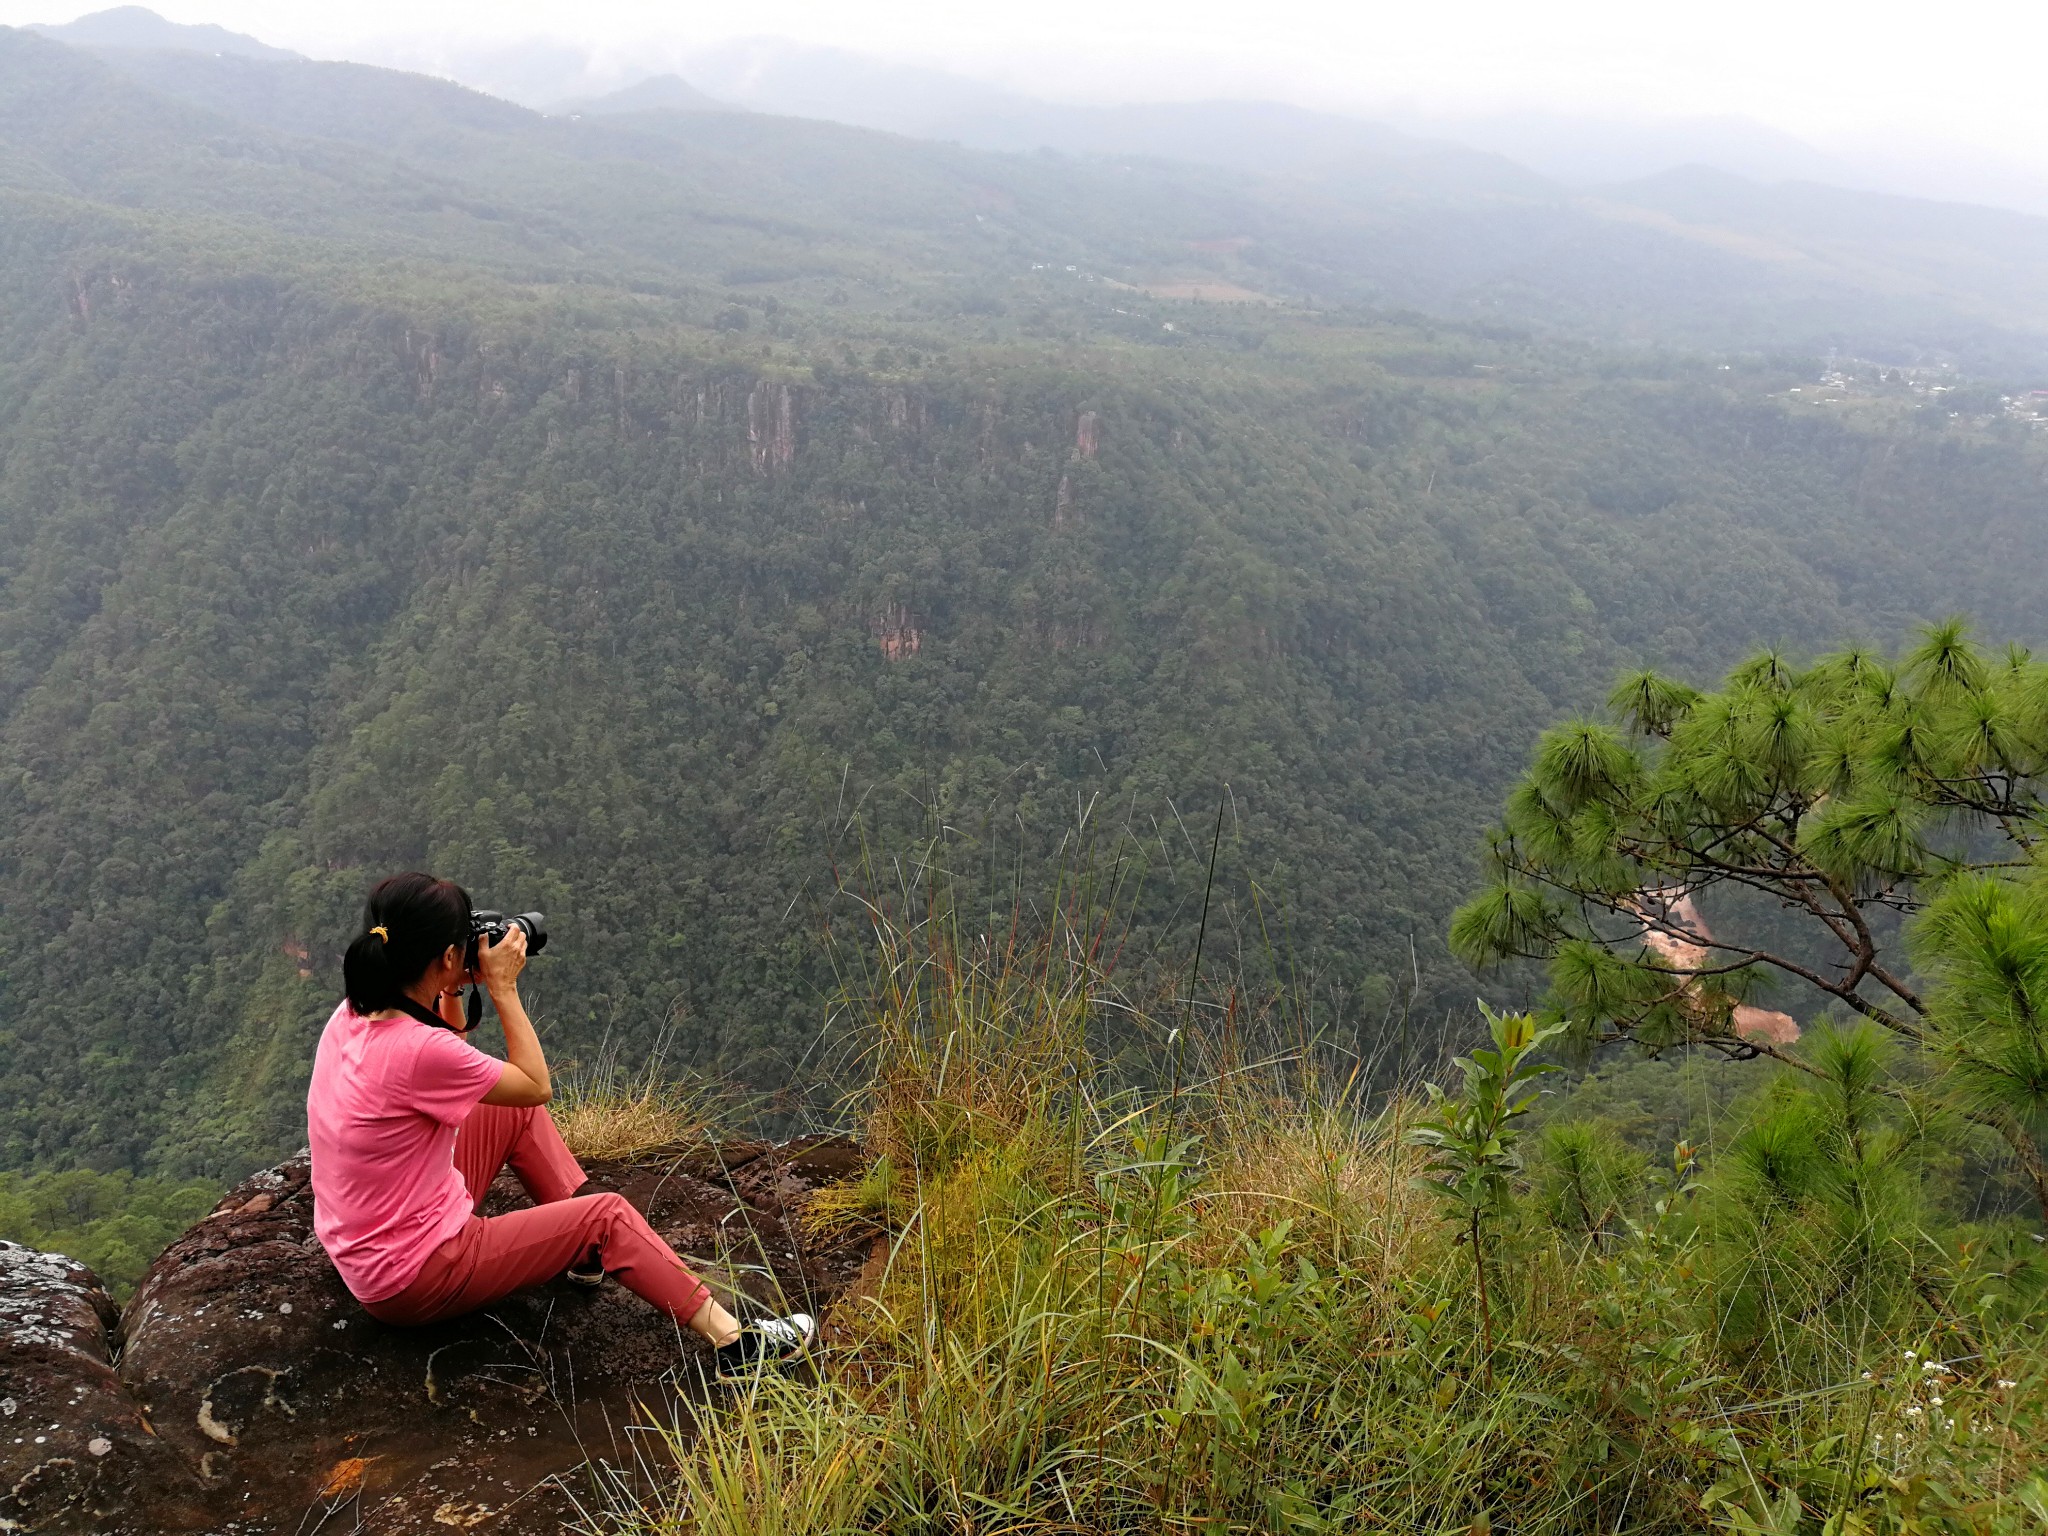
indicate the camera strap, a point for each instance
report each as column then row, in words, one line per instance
column 427, row 1016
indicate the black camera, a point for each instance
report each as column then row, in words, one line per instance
column 495, row 925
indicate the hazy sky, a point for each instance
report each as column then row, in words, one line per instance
column 1964, row 70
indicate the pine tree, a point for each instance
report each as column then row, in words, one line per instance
column 1848, row 795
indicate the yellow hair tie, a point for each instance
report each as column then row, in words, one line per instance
column 382, row 932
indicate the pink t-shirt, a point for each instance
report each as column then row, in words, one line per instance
column 386, row 1097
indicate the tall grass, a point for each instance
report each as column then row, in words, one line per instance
column 1224, row 1302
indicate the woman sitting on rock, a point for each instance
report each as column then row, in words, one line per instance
column 410, row 1123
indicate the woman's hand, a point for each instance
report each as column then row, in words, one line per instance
column 524, row 1081
column 499, row 964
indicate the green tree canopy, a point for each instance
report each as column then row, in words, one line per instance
column 1866, row 828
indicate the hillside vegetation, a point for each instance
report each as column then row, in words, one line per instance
column 651, row 521
column 1250, row 1300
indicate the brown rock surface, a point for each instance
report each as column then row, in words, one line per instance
column 75, row 1450
column 1674, row 931
column 245, row 1391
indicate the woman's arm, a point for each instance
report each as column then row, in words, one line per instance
column 524, row 1081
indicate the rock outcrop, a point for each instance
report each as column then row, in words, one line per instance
column 75, row 1449
column 1674, row 931
column 244, row 1390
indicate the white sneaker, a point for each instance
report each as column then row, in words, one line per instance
column 773, row 1343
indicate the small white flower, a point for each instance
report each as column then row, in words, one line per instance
column 1866, row 1376
column 2004, row 1382
column 1913, row 1412
column 1934, row 1402
column 1911, row 1356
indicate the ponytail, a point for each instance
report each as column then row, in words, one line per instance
column 408, row 923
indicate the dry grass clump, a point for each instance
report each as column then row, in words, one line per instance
column 796, row 1460
column 972, row 1043
column 1345, row 1180
column 604, row 1112
column 976, row 1053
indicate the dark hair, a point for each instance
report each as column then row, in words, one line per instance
column 420, row 917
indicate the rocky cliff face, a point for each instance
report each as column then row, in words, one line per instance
column 244, row 1391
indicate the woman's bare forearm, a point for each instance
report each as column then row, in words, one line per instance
column 522, row 1045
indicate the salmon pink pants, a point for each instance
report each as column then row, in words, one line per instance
column 494, row 1256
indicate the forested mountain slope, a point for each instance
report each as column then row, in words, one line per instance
column 345, row 527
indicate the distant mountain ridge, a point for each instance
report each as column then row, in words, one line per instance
column 1577, row 149
column 134, row 26
column 1269, row 137
column 1343, row 214
column 1587, row 151
column 657, row 93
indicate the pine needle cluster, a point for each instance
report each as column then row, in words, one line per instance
column 1862, row 831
